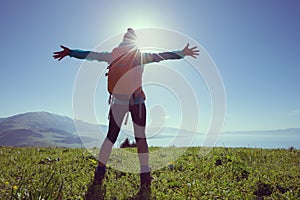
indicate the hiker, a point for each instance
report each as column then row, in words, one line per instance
column 121, row 101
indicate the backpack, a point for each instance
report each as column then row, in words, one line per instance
column 125, row 76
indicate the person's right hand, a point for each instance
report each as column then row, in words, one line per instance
column 61, row 54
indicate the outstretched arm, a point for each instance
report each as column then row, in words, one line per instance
column 157, row 57
column 89, row 55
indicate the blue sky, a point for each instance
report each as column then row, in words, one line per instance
column 255, row 45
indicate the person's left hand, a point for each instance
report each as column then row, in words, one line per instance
column 190, row 51
column 61, row 54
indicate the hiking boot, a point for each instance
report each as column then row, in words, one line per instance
column 95, row 192
column 99, row 175
column 144, row 192
column 145, row 187
column 146, row 179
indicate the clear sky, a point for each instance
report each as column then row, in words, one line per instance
column 255, row 45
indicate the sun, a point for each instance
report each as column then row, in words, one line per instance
column 139, row 21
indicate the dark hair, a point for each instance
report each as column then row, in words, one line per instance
column 130, row 34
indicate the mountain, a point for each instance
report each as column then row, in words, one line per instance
column 45, row 129
column 37, row 121
column 294, row 131
column 1, row 119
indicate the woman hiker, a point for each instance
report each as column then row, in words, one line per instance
column 127, row 53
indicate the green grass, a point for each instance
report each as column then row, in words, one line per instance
column 225, row 173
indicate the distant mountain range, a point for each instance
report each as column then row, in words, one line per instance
column 44, row 129
column 48, row 129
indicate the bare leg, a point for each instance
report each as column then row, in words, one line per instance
column 116, row 116
column 105, row 152
column 143, row 154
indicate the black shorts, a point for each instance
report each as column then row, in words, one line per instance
column 116, row 115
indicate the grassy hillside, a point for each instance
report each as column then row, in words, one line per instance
column 225, row 173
